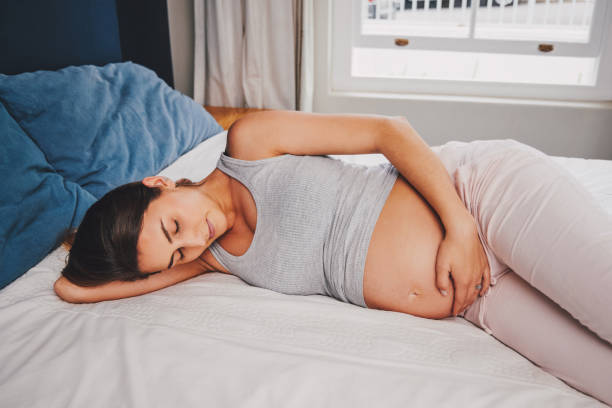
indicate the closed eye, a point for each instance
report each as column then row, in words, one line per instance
column 180, row 251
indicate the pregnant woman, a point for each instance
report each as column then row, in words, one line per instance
column 492, row 231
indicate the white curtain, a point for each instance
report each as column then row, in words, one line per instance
column 253, row 53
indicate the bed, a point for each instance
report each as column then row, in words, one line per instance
column 215, row 341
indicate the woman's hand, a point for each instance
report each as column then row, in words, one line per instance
column 462, row 258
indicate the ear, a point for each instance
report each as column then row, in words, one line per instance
column 158, row 181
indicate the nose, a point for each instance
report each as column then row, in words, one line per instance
column 194, row 238
column 195, row 242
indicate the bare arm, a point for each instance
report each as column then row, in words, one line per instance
column 460, row 255
column 122, row 289
column 413, row 158
column 271, row 133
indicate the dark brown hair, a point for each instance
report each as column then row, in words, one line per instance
column 103, row 249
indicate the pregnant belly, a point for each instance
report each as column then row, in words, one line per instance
column 400, row 265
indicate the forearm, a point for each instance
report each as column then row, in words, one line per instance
column 420, row 166
column 122, row 289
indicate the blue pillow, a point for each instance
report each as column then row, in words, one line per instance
column 36, row 204
column 105, row 126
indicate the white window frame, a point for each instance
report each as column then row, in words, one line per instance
column 523, row 47
column 345, row 18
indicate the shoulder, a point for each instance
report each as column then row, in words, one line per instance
column 251, row 137
column 266, row 134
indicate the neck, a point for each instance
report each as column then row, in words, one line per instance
column 218, row 187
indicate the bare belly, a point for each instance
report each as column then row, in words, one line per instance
column 400, row 265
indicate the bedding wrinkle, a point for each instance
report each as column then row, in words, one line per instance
column 522, row 221
column 236, row 330
column 545, row 229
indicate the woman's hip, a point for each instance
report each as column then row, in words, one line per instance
column 535, row 218
column 480, row 170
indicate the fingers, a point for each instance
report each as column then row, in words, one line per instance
column 466, row 294
column 472, row 296
column 443, row 279
column 460, row 298
column 486, row 281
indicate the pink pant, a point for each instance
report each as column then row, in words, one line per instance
column 549, row 246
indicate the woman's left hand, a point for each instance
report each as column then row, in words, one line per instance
column 462, row 258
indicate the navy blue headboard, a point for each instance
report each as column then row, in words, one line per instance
column 52, row 34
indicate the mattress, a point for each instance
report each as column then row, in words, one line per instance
column 215, row 341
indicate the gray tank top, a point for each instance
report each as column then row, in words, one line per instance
column 315, row 218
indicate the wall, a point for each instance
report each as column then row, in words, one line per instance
column 42, row 34
column 555, row 127
column 39, row 34
column 145, row 35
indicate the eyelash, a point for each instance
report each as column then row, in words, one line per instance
column 180, row 251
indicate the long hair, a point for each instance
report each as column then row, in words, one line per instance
column 103, row 249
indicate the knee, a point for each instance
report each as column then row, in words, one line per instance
column 515, row 146
column 512, row 143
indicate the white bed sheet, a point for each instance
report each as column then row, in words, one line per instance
column 214, row 341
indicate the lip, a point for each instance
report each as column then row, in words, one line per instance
column 211, row 229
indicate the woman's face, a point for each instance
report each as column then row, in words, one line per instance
column 177, row 226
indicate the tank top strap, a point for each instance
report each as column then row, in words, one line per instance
column 234, row 163
column 243, row 171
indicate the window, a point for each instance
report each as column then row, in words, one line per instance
column 520, row 48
